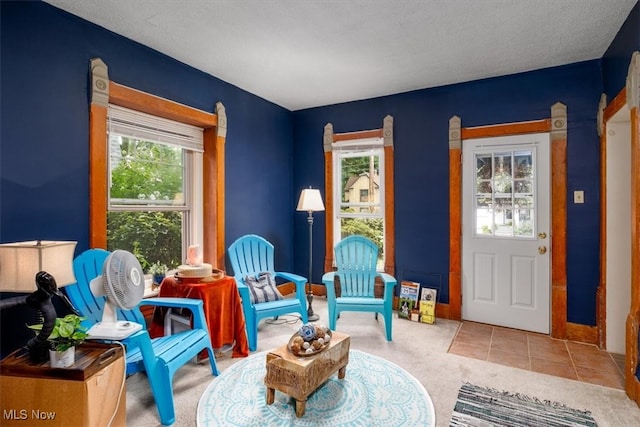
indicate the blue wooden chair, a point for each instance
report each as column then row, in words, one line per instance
column 250, row 255
column 161, row 357
column 355, row 258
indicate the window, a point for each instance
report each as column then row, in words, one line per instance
column 105, row 93
column 504, row 196
column 361, row 208
column 154, row 183
column 359, row 190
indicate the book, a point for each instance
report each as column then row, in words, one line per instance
column 428, row 312
column 427, row 306
column 406, row 305
column 408, row 299
column 428, row 294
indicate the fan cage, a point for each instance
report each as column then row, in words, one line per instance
column 123, row 279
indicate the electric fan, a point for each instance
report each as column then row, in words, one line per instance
column 122, row 282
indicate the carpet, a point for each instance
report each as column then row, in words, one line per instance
column 374, row 392
column 482, row 407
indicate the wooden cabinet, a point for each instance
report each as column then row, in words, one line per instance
column 89, row 393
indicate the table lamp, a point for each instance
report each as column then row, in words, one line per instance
column 51, row 264
column 310, row 201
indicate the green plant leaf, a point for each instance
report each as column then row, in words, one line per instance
column 67, row 332
column 66, row 329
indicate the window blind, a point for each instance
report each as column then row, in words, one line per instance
column 131, row 123
column 358, row 144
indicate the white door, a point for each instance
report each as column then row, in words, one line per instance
column 505, row 235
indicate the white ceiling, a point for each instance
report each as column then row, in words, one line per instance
column 301, row 54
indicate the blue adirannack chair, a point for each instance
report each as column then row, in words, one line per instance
column 355, row 259
column 160, row 357
column 250, row 255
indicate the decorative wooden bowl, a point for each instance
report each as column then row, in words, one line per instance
column 303, row 352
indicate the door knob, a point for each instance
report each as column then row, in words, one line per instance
column 542, row 250
column 542, row 235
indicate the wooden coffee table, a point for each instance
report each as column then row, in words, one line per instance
column 300, row 376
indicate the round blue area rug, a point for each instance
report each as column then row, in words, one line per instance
column 374, row 392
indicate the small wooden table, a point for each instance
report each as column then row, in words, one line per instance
column 89, row 393
column 300, row 376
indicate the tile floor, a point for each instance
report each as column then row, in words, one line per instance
column 539, row 353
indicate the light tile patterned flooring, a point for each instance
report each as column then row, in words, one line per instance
column 539, row 353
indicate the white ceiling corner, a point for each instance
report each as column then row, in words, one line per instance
column 301, row 54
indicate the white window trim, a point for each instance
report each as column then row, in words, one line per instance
column 197, row 204
column 350, row 149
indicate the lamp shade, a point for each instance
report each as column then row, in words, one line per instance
column 310, row 200
column 21, row 261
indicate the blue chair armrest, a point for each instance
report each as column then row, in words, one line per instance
column 291, row 277
column 387, row 278
column 297, row 280
column 189, row 303
column 390, row 283
column 327, row 281
column 328, row 277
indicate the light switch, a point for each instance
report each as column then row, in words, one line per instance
column 578, row 196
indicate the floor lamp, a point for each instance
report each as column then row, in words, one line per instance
column 310, row 201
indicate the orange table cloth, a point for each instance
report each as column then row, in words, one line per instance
column 222, row 309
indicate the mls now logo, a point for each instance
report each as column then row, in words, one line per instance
column 37, row 414
column 23, row 414
column 15, row 414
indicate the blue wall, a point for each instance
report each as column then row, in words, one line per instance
column 421, row 120
column 44, row 134
column 421, row 123
column 44, row 157
column 271, row 153
column 617, row 57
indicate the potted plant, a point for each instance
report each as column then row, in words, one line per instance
column 67, row 333
column 158, row 270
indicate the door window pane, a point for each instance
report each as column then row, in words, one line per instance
column 523, row 165
column 484, row 187
column 504, row 194
column 524, row 223
column 483, row 166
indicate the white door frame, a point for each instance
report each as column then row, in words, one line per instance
column 506, row 280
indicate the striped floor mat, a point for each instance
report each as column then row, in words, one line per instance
column 482, row 407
